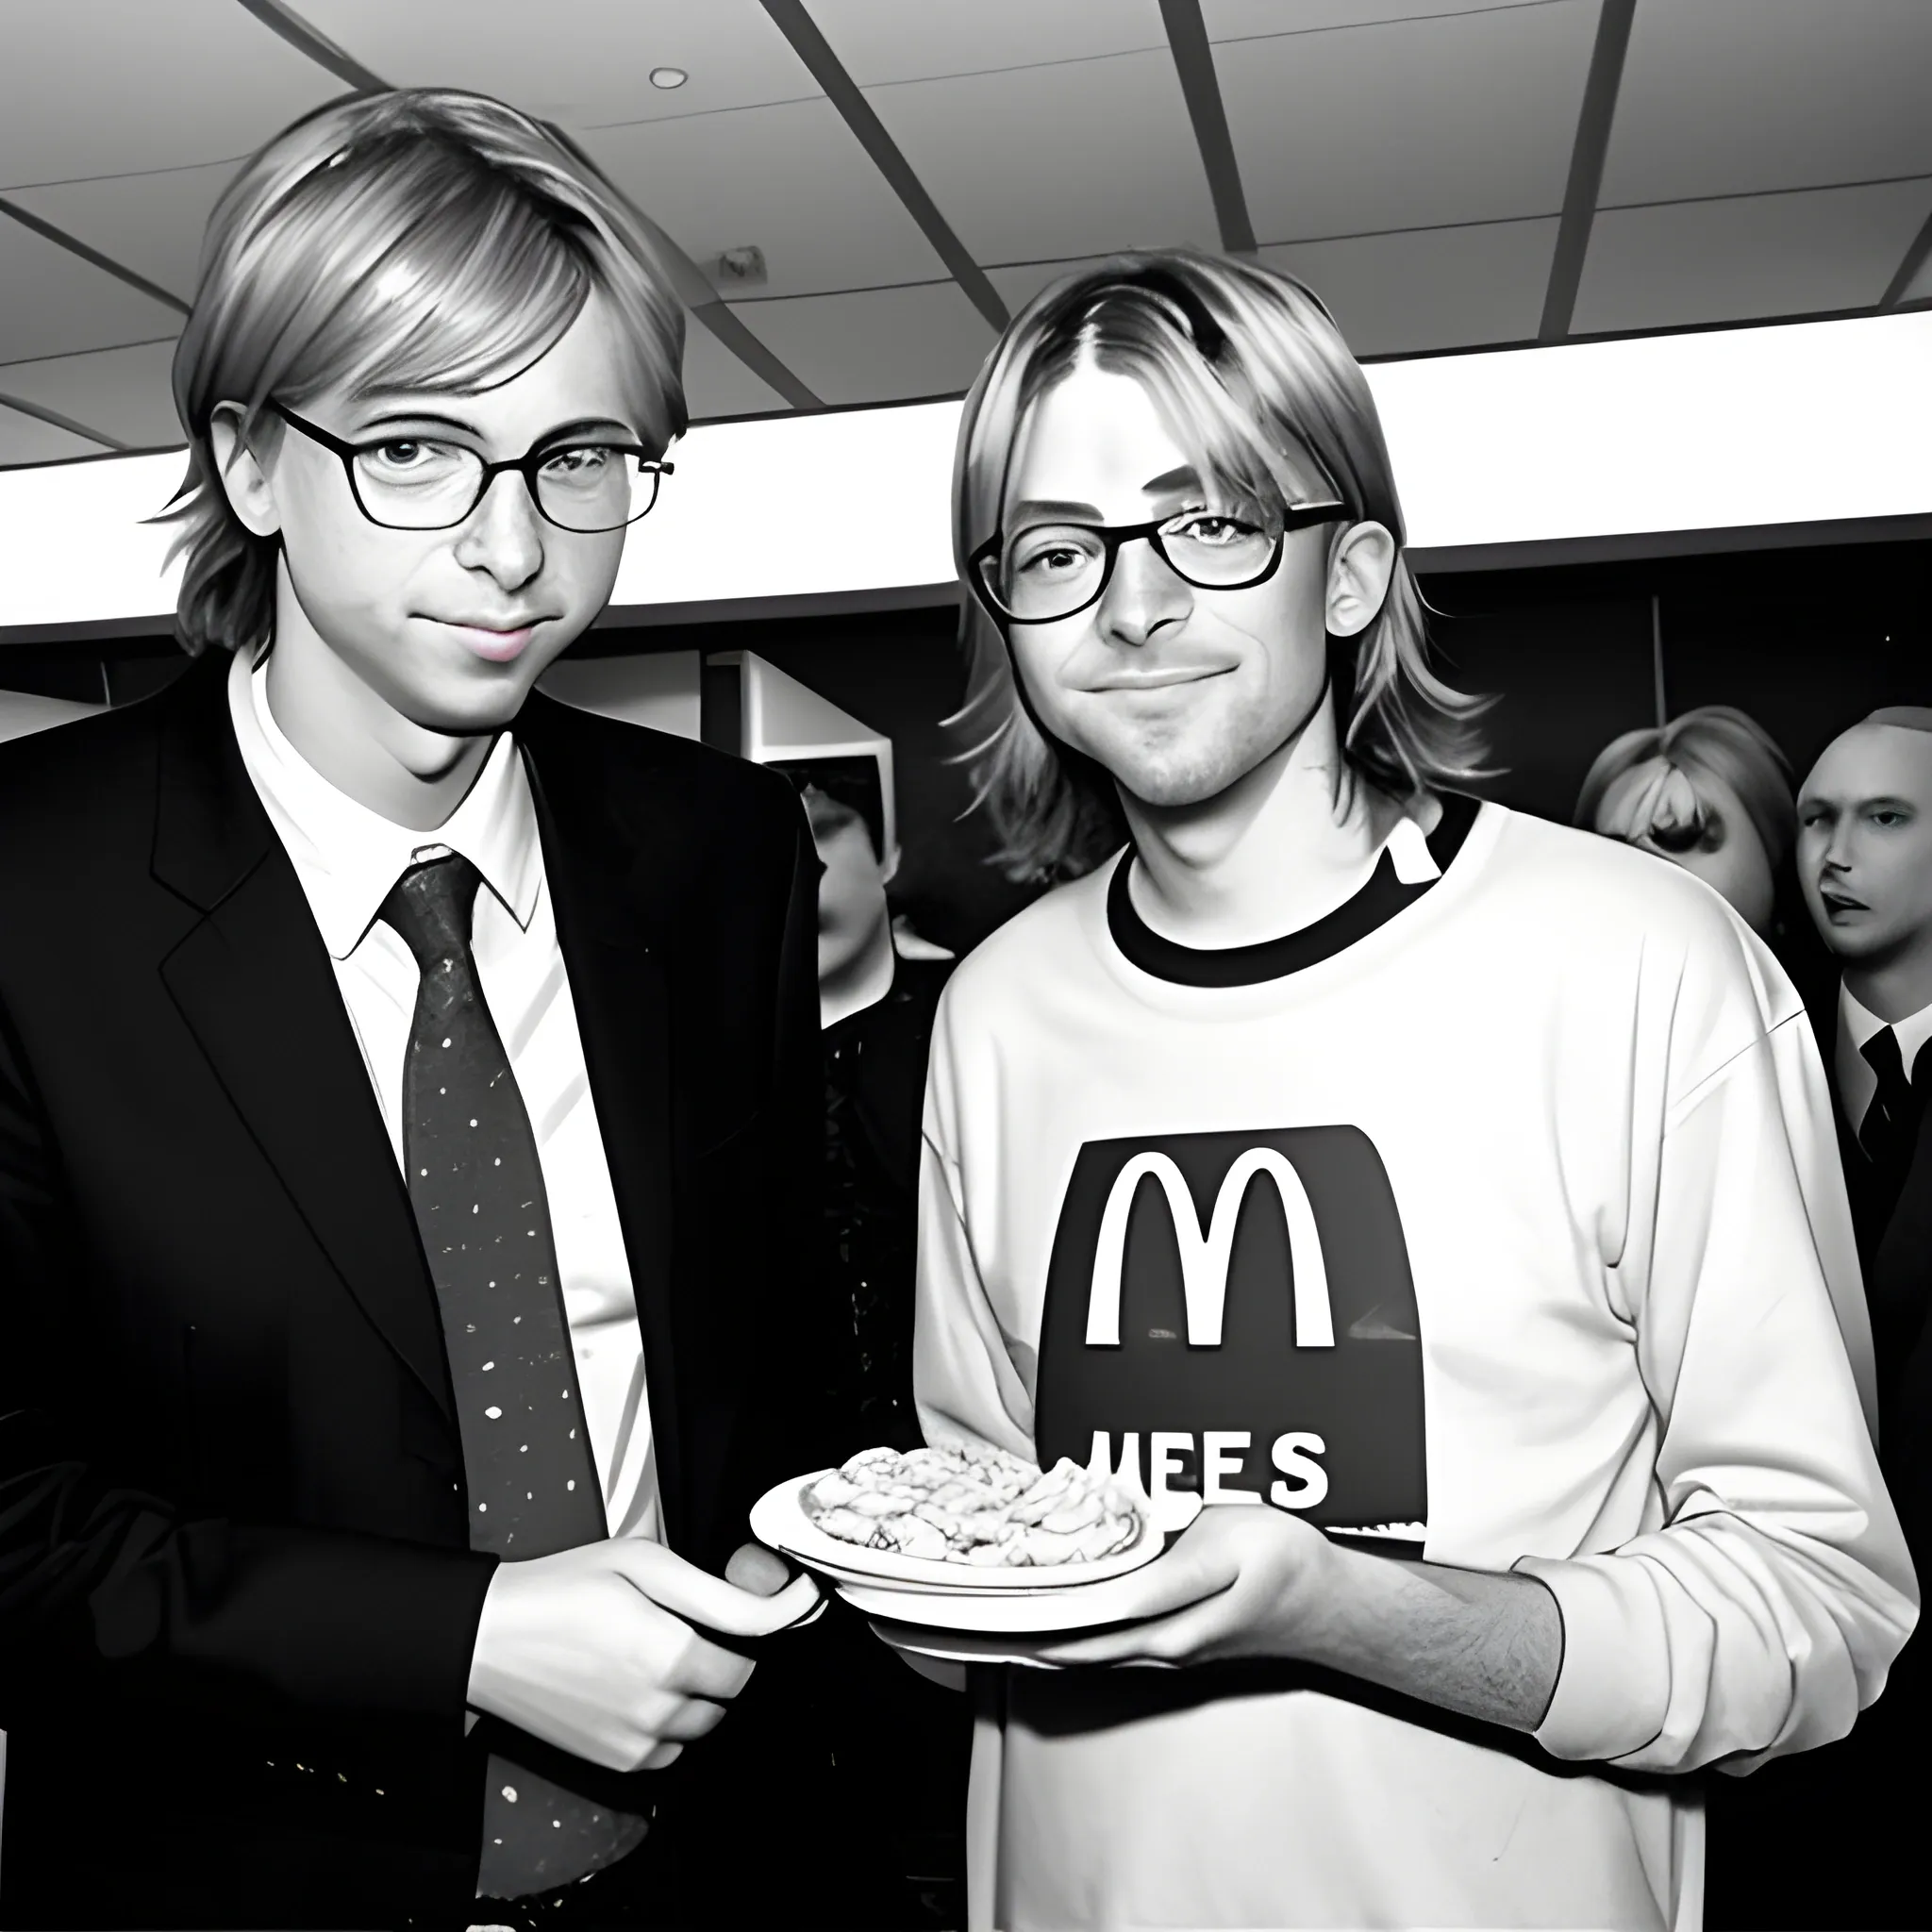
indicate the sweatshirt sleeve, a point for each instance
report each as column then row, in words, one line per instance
column 1765, row 1611
column 965, row 1383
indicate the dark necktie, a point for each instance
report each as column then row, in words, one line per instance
column 1891, row 1126
column 476, row 1186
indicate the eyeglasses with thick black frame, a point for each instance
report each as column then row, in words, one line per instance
column 529, row 466
column 985, row 562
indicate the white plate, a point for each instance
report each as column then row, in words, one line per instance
column 953, row 1647
column 778, row 1518
column 927, row 1614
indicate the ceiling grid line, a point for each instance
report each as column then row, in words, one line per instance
column 54, row 418
column 1587, row 160
column 815, row 51
column 68, row 354
column 1352, row 26
column 61, row 239
column 692, row 286
column 1193, row 61
column 289, row 26
column 1607, row 207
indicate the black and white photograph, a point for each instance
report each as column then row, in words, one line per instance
column 964, row 965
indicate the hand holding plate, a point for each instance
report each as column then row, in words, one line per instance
column 1237, row 1583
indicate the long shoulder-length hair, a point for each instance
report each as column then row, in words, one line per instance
column 1254, row 380
column 1714, row 742
column 425, row 239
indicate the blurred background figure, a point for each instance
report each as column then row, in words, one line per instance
column 1864, row 863
column 879, row 990
column 902, row 1742
column 1709, row 791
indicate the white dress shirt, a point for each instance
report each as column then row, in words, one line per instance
column 1856, row 1082
column 347, row 858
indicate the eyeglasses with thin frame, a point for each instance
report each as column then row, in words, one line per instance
column 587, row 487
column 1054, row 571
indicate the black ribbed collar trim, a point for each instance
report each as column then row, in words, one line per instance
column 1374, row 905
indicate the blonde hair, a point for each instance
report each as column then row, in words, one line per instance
column 422, row 239
column 1251, row 375
column 1714, row 742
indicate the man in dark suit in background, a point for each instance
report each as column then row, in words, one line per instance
column 1832, row 1840
column 406, row 1127
column 1865, row 861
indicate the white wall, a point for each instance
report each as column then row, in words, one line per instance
column 1808, row 423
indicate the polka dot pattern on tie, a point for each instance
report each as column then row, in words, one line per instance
column 476, row 1187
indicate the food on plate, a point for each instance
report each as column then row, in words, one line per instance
column 980, row 1507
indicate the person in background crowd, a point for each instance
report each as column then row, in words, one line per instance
column 1865, row 861
column 906, row 1740
column 877, row 993
column 1528, row 1113
column 1864, row 848
column 1711, row 792
column 406, row 1138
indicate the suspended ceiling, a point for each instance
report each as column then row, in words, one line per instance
column 1448, row 175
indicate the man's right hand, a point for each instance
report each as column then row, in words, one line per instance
column 593, row 1650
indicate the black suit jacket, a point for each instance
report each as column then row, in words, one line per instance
column 1896, row 1245
column 1830, row 1837
column 236, row 1600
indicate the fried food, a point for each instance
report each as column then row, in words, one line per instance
column 979, row 1507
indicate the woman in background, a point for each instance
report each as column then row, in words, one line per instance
column 1711, row 792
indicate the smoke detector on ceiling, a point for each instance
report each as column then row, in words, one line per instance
column 740, row 268
column 667, row 77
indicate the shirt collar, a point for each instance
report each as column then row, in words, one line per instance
column 347, row 856
column 1860, row 1024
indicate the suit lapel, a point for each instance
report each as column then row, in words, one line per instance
column 611, row 889
column 254, row 983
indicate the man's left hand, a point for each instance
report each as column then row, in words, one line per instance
column 1239, row 1582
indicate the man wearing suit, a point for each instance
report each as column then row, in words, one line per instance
column 1833, row 1839
column 1865, row 863
column 407, row 1123
column 1865, row 853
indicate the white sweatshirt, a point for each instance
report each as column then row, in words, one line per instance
column 1645, row 1372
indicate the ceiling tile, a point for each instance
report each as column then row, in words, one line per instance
column 121, row 393
column 878, row 346
column 1432, row 288
column 152, row 224
column 1239, row 20
column 1417, row 123
column 881, row 41
column 110, row 87
column 790, row 180
column 1042, row 162
column 716, row 383
column 56, row 302
column 579, row 62
column 27, row 440
column 1736, row 96
column 1734, row 261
